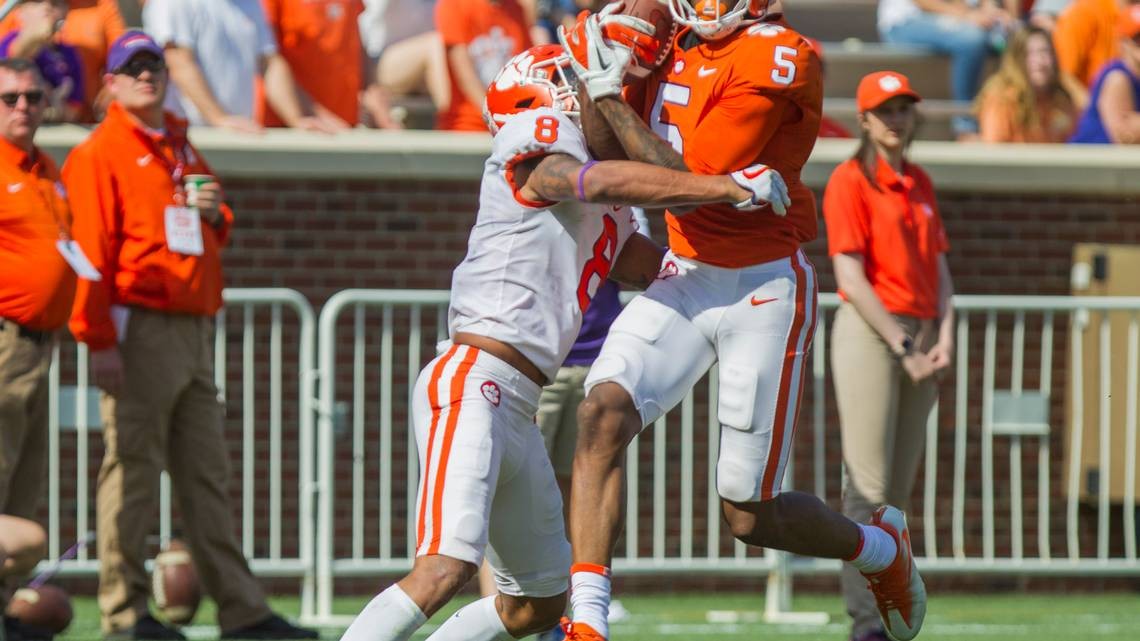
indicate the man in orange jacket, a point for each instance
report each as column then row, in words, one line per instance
column 152, row 221
column 36, row 289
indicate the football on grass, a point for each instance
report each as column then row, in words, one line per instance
column 657, row 14
column 175, row 584
column 47, row 607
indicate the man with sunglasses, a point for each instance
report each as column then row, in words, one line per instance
column 35, row 296
column 148, row 321
column 59, row 62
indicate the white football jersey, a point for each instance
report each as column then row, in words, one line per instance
column 533, row 267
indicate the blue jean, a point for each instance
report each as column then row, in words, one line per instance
column 965, row 43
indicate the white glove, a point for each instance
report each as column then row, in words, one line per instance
column 607, row 58
column 767, row 187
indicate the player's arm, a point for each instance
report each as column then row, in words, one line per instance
column 638, row 263
column 636, row 138
column 559, row 177
column 1118, row 111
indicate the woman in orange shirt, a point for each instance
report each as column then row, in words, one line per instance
column 893, row 335
column 1025, row 100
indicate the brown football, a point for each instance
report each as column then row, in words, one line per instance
column 47, row 607
column 175, row 584
column 656, row 13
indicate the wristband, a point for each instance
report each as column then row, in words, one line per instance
column 582, row 178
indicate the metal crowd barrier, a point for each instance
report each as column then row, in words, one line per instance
column 265, row 368
column 1030, row 460
column 996, row 494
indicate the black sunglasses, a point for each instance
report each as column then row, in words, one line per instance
column 135, row 66
column 34, row 97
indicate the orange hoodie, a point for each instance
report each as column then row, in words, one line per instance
column 120, row 182
column 37, row 285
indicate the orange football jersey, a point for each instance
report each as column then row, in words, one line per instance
column 754, row 97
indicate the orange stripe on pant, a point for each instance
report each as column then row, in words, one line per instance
column 775, row 450
column 433, row 401
column 458, row 381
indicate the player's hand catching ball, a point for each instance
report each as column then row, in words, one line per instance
column 766, row 187
column 601, row 47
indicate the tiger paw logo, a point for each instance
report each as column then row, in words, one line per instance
column 669, row 270
column 491, row 392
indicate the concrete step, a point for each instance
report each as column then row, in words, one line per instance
column 935, row 116
column 848, row 61
column 834, row 20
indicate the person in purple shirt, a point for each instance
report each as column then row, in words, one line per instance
column 58, row 63
column 1113, row 114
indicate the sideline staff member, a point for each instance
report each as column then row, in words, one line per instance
column 149, row 325
column 35, row 296
column 894, row 334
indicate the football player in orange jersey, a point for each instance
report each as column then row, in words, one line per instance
column 739, row 87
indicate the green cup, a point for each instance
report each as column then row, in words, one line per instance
column 192, row 183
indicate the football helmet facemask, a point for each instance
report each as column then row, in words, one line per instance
column 538, row 77
column 713, row 19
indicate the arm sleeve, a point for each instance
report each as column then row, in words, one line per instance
column 1070, row 41
column 95, row 226
column 844, row 212
column 451, row 23
column 170, row 22
column 941, row 241
column 113, row 23
column 266, row 41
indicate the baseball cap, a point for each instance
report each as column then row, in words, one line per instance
column 1129, row 22
column 879, row 87
column 129, row 45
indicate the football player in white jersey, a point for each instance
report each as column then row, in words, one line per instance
column 541, row 245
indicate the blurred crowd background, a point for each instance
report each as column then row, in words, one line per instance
column 991, row 70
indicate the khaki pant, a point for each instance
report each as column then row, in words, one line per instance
column 168, row 416
column 882, row 419
column 557, row 416
column 24, row 366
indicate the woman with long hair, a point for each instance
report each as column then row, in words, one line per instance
column 1026, row 100
column 893, row 336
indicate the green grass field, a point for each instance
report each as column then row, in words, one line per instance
column 736, row 616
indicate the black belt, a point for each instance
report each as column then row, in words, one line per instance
column 36, row 335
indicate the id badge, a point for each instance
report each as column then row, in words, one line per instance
column 183, row 231
column 80, row 264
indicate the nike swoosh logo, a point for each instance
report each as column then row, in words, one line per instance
column 750, row 174
column 15, row 187
column 143, row 161
column 703, row 72
column 760, row 301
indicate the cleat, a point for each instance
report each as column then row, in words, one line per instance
column 899, row 590
column 578, row 631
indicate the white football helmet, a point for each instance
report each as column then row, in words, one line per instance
column 538, row 77
column 713, row 20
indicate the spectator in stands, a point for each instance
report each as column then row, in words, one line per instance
column 964, row 31
column 148, row 321
column 1025, row 100
column 314, row 38
column 828, row 126
column 1113, row 113
column 479, row 37
column 215, row 49
column 893, row 336
column 406, row 57
column 35, row 296
column 1043, row 13
column 1085, row 38
column 90, row 27
column 36, row 39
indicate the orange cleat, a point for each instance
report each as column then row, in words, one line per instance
column 899, row 590
column 578, row 631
